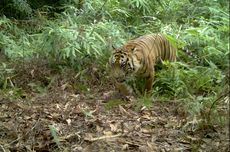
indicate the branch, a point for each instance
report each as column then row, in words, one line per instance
column 102, row 137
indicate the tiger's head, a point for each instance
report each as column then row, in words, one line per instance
column 124, row 62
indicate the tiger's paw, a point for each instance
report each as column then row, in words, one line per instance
column 124, row 89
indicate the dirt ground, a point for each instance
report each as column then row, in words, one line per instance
column 63, row 117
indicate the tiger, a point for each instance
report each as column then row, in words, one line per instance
column 138, row 58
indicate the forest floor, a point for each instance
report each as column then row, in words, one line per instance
column 49, row 111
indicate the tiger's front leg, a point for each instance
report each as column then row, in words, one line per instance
column 149, row 83
column 123, row 88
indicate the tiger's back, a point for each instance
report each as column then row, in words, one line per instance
column 157, row 45
column 139, row 56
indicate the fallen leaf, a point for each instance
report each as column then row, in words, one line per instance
column 68, row 121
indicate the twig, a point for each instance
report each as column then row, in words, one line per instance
column 2, row 148
column 71, row 136
column 103, row 137
column 124, row 111
column 130, row 143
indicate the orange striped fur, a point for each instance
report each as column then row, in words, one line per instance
column 139, row 56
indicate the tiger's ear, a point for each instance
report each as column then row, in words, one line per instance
column 133, row 49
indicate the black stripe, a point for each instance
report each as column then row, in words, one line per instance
column 133, row 64
column 163, row 48
column 144, row 70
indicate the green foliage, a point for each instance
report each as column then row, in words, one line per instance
column 54, row 134
column 14, row 41
column 36, row 87
column 145, row 100
column 75, row 42
column 180, row 80
column 113, row 103
column 15, row 8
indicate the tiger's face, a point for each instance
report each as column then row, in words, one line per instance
column 123, row 63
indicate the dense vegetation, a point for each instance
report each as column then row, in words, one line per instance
column 77, row 35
